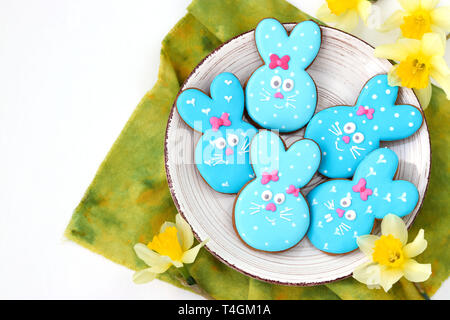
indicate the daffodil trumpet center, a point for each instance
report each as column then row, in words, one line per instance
column 339, row 7
column 388, row 251
column 166, row 244
column 416, row 24
column 414, row 71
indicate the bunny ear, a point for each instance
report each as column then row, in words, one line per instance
column 228, row 96
column 270, row 35
column 301, row 46
column 377, row 92
column 305, row 39
column 195, row 108
column 373, row 177
column 377, row 167
column 265, row 152
column 398, row 197
column 199, row 111
column 390, row 121
column 300, row 163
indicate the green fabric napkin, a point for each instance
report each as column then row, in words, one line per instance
column 129, row 198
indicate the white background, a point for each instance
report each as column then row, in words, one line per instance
column 71, row 73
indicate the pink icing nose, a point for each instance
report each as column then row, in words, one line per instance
column 340, row 212
column 228, row 151
column 279, row 95
column 271, row 207
column 346, row 139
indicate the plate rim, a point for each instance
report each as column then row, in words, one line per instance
column 178, row 206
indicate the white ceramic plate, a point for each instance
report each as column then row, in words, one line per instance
column 343, row 65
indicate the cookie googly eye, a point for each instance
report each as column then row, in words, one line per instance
column 345, row 202
column 349, row 127
column 233, row 140
column 358, row 137
column 288, row 85
column 275, row 82
column 350, row 215
column 266, row 195
column 220, row 143
column 279, row 198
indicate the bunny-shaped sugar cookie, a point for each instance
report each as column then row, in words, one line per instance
column 222, row 153
column 280, row 94
column 270, row 213
column 346, row 134
column 342, row 210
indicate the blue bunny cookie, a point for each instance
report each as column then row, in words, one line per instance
column 280, row 94
column 222, row 153
column 346, row 134
column 270, row 213
column 342, row 210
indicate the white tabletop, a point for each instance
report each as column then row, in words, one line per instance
column 71, row 74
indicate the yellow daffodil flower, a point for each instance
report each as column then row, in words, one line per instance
column 172, row 246
column 390, row 256
column 418, row 61
column 344, row 14
column 419, row 17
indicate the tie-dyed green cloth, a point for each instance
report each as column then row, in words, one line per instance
column 129, row 198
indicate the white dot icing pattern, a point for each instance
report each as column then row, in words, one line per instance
column 376, row 118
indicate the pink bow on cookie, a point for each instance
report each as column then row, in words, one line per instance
column 293, row 190
column 363, row 111
column 267, row 177
column 276, row 61
column 218, row 122
column 361, row 188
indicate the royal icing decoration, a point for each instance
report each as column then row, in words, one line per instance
column 346, row 134
column 355, row 204
column 280, row 94
column 270, row 213
column 222, row 153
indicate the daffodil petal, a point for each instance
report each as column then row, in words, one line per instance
column 368, row 273
column 186, row 235
column 393, row 22
column 440, row 16
column 409, row 5
column 431, row 45
column 347, row 21
column 324, row 14
column 439, row 64
column 389, row 276
column 366, row 244
column 143, row 276
column 399, row 50
column 417, row 246
column 443, row 81
column 364, row 8
column 424, row 95
column 428, row 4
column 416, row 272
column 150, row 257
column 395, row 226
column 190, row 255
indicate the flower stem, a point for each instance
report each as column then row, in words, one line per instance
column 187, row 276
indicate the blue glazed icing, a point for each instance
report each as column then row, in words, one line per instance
column 281, row 95
column 346, row 134
column 270, row 213
column 339, row 212
column 222, row 153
